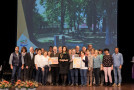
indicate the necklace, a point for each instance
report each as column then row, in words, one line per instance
column 61, row 55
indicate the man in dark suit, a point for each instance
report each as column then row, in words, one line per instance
column 29, row 64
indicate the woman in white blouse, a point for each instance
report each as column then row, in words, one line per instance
column 45, row 68
column 38, row 64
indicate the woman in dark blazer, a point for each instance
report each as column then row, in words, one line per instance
column 64, row 59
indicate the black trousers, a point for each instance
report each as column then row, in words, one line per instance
column 22, row 75
column 55, row 74
column 1, row 75
column 96, row 75
column 28, row 73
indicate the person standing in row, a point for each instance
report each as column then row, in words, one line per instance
column 60, row 49
column 69, row 72
column 92, row 50
column 16, row 62
column 74, row 71
column 38, row 64
column 51, row 49
column 90, row 47
column 36, row 51
column 117, row 64
column 55, row 68
column 97, row 65
column 107, row 66
column 45, row 67
column 90, row 68
column 29, row 63
column 23, row 52
column 64, row 64
column 101, row 71
column 83, row 69
column 77, row 48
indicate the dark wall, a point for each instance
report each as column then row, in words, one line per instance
column 8, row 30
column 125, row 34
column 125, row 38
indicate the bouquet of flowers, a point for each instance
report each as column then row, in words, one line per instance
column 28, row 84
column 19, row 84
column 5, row 84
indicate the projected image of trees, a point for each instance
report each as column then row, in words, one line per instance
column 71, row 22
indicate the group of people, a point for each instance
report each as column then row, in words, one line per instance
column 95, row 67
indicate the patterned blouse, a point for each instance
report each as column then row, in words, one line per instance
column 107, row 61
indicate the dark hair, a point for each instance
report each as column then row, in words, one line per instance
column 23, row 48
column 38, row 49
column 50, row 46
column 106, row 49
column 65, row 47
column 82, row 52
column 100, row 50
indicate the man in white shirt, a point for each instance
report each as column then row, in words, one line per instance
column 38, row 64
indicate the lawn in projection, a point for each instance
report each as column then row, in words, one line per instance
column 44, row 23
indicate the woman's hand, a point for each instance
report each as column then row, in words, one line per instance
column 43, row 69
column 112, row 67
column 49, row 69
column 89, row 68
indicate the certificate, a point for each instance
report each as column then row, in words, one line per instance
column 77, row 62
column 53, row 60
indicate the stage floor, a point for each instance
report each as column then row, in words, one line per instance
column 123, row 87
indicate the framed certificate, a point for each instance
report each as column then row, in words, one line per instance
column 53, row 60
column 77, row 62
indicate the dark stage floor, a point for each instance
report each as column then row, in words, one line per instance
column 123, row 87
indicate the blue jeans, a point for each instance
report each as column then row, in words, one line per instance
column 45, row 75
column 117, row 70
column 38, row 75
column 83, row 73
column 96, row 75
column 18, row 70
column 74, row 76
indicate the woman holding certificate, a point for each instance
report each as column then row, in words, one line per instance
column 64, row 59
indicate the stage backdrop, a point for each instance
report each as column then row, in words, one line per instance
column 44, row 23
